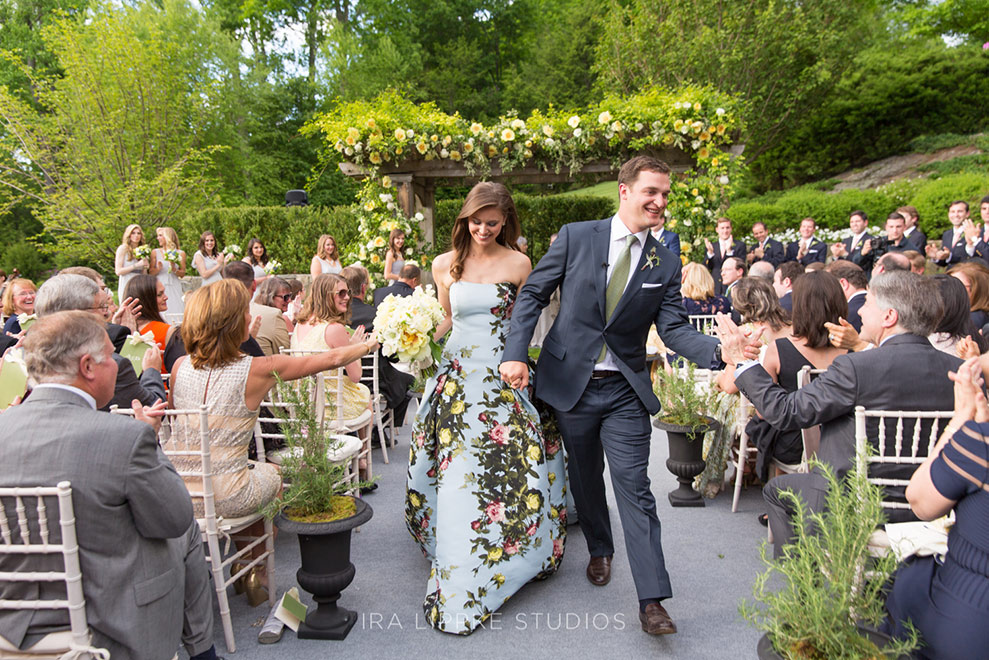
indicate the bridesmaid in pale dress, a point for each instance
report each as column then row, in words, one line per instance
column 208, row 260
column 327, row 258
column 393, row 258
column 126, row 264
column 168, row 272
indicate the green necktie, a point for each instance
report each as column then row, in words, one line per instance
column 616, row 285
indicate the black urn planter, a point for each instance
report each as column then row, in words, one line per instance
column 686, row 458
column 326, row 571
column 765, row 650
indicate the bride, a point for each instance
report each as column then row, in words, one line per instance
column 486, row 485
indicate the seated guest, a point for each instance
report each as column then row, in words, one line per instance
column 668, row 239
column 912, row 231
column 904, row 372
column 64, row 293
column 270, row 303
column 763, row 269
column 808, row 248
column 233, row 385
column 150, row 294
column 814, row 267
column 408, row 280
column 946, row 599
column 18, row 298
column 890, row 263
column 146, row 583
column 360, row 312
column 726, row 247
column 697, row 289
column 918, row 262
column 766, row 248
column 853, row 284
column 857, row 248
column 122, row 321
column 298, row 294
column 731, row 272
column 975, row 276
column 784, row 278
column 956, row 323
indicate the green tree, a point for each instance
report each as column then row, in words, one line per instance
column 960, row 20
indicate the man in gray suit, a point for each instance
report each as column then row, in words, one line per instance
column 615, row 281
column 904, row 372
column 139, row 543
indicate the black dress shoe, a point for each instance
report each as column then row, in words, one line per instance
column 599, row 570
column 655, row 620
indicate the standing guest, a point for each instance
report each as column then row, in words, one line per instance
column 407, row 281
column 956, row 245
column 918, row 262
column 167, row 272
column 853, row 285
column 857, row 248
column 393, row 257
column 912, row 231
column 18, row 298
column 147, row 587
column 327, row 258
column 125, row 263
column 716, row 254
column 697, row 291
column 944, row 598
column 270, row 304
column 64, row 293
column 360, row 312
column 975, row 276
column 982, row 247
column 896, row 239
column 208, row 260
column 956, row 322
column 763, row 269
column 766, row 248
column 668, row 239
column 257, row 258
column 808, row 248
column 783, row 280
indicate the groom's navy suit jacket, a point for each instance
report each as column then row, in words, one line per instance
column 577, row 264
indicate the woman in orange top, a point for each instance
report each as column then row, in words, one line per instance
column 150, row 293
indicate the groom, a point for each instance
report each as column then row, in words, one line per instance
column 615, row 281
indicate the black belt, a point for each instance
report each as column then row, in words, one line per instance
column 595, row 375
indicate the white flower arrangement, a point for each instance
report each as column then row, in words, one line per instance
column 142, row 252
column 232, row 250
column 405, row 327
column 25, row 320
column 172, row 256
column 272, row 267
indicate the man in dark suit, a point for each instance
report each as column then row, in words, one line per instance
column 145, row 579
column 408, row 280
column 896, row 239
column 904, row 372
column 853, row 284
column 958, row 243
column 766, row 248
column 592, row 369
column 668, row 239
column 913, row 232
column 982, row 247
column 808, row 249
column 858, row 247
column 783, row 280
column 726, row 247
column 64, row 293
column 360, row 312
column 119, row 325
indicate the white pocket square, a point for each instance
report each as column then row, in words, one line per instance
column 647, row 285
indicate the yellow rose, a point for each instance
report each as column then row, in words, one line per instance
column 370, row 123
column 697, row 107
column 475, row 128
column 455, row 155
column 399, row 134
column 445, row 436
column 504, row 150
column 434, row 138
column 468, row 147
column 375, row 259
column 450, row 388
column 386, row 181
column 379, row 242
column 421, row 147
column 398, row 151
column 508, row 135
column 534, row 453
column 553, row 513
column 494, row 554
column 532, row 501
column 375, row 158
column 703, row 152
column 457, row 408
column 552, row 478
column 414, row 499
column 720, row 129
column 683, row 259
column 492, row 151
column 508, row 396
column 499, row 578
column 350, row 140
column 547, row 130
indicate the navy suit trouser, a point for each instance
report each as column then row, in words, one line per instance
column 610, row 421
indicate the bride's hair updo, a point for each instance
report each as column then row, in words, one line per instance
column 484, row 195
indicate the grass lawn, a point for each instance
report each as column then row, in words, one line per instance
column 604, row 189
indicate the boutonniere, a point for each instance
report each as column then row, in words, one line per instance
column 651, row 260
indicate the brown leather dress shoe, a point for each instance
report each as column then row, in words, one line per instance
column 655, row 620
column 599, row 570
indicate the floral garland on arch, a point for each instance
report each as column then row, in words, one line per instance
column 378, row 214
column 390, row 129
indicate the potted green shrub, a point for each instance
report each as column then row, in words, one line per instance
column 315, row 507
column 831, row 598
column 684, row 417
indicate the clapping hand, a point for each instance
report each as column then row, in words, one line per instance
column 710, row 248
column 867, row 246
column 150, row 415
column 737, row 345
column 972, row 232
column 255, row 326
column 126, row 315
column 838, row 250
column 844, row 335
column 967, row 348
column 970, row 400
column 361, row 336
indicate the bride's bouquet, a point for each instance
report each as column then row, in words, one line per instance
column 405, row 327
column 272, row 267
column 232, row 250
column 142, row 252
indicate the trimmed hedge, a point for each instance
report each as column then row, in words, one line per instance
column 540, row 217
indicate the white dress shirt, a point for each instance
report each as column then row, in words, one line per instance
column 617, row 243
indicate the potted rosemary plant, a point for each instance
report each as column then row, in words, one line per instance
column 315, row 506
column 684, row 417
column 832, row 596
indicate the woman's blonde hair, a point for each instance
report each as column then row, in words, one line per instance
column 125, row 241
column 320, row 305
column 323, row 254
column 697, row 282
column 215, row 323
column 171, row 238
column 8, row 293
column 978, row 277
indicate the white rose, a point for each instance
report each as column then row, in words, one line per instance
column 723, row 180
column 604, row 117
column 720, row 112
column 577, row 132
column 574, row 121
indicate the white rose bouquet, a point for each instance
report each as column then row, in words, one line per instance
column 232, row 250
column 142, row 252
column 172, row 256
column 405, row 327
column 272, row 267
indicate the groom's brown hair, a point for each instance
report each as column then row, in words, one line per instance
column 631, row 169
